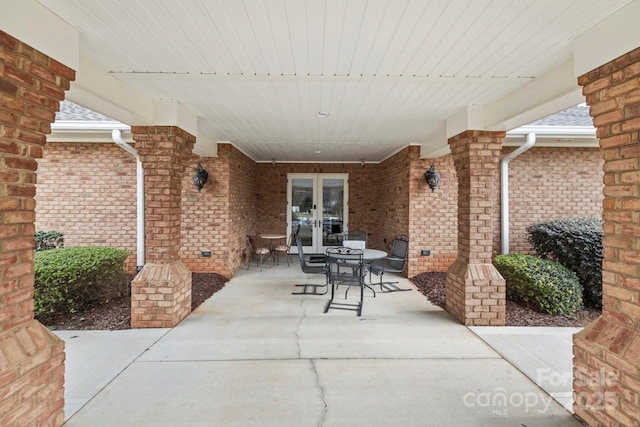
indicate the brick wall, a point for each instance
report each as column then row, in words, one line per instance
column 31, row 357
column 205, row 216
column 607, row 353
column 572, row 188
column 221, row 216
column 393, row 199
column 88, row 192
column 548, row 183
column 433, row 216
column 243, row 207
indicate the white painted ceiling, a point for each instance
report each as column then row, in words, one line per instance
column 389, row 73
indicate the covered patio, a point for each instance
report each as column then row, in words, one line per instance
column 398, row 84
column 256, row 355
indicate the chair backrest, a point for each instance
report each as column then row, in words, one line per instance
column 355, row 235
column 300, row 251
column 292, row 238
column 354, row 244
column 306, row 268
column 399, row 252
column 340, row 257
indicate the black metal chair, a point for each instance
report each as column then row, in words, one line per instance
column 355, row 235
column 335, row 231
column 345, row 266
column 394, row 263
column 308, row 268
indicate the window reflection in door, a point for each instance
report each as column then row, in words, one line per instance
column 332, row 211
column 302, row 214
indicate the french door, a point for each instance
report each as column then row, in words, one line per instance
column 317, row 209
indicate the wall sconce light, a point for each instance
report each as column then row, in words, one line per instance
column 432, row 177
column 200, row 177
column 362, row 162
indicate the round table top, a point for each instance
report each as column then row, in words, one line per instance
column 273, row 236
column 373, row 254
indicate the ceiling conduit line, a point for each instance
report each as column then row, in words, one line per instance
column 116, row 135
column 504, row 189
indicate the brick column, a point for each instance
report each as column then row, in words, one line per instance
column 161, row 292
column 474, row 288
column 31, row 357
column 607, row 353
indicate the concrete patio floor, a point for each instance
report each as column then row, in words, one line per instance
column 255, row 355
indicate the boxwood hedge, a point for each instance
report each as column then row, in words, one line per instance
column 70, row 279
column 575, row 243
column 540, row 284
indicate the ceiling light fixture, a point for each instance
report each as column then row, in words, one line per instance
column 322, row 114
column 318, row 151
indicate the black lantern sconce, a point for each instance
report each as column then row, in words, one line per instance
column 432, row 177
column 200, row 177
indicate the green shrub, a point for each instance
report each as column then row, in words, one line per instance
column 70, row 279
column 540, row 284
column 575, row 243
column 47, row 240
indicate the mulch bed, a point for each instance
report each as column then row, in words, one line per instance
column 115, row 314
column 432, row 285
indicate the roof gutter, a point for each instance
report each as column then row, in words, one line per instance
column 504, row 188
column 116, row 135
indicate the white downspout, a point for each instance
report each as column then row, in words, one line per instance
column 116, row 135
column 504, row 188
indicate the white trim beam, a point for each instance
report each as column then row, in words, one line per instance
column 33, row 24
column 548, row 94
column 169, row 112
column 610, row 38
column 101, row 92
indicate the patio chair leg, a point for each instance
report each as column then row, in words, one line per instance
column 386, row 287
column 314, row 290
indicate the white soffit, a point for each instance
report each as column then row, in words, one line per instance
column 608, row 39
column 35, row 25
column 389, row 73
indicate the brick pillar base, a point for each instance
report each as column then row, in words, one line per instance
column 606, row 379
column 32, row 376
column 475, row 291
column 476, row 294
column 160, row 295
column 606, row 382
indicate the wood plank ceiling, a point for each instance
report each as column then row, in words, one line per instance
column 387, row 72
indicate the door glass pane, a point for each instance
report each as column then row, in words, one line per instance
column 302, row 209
column 332, row 211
